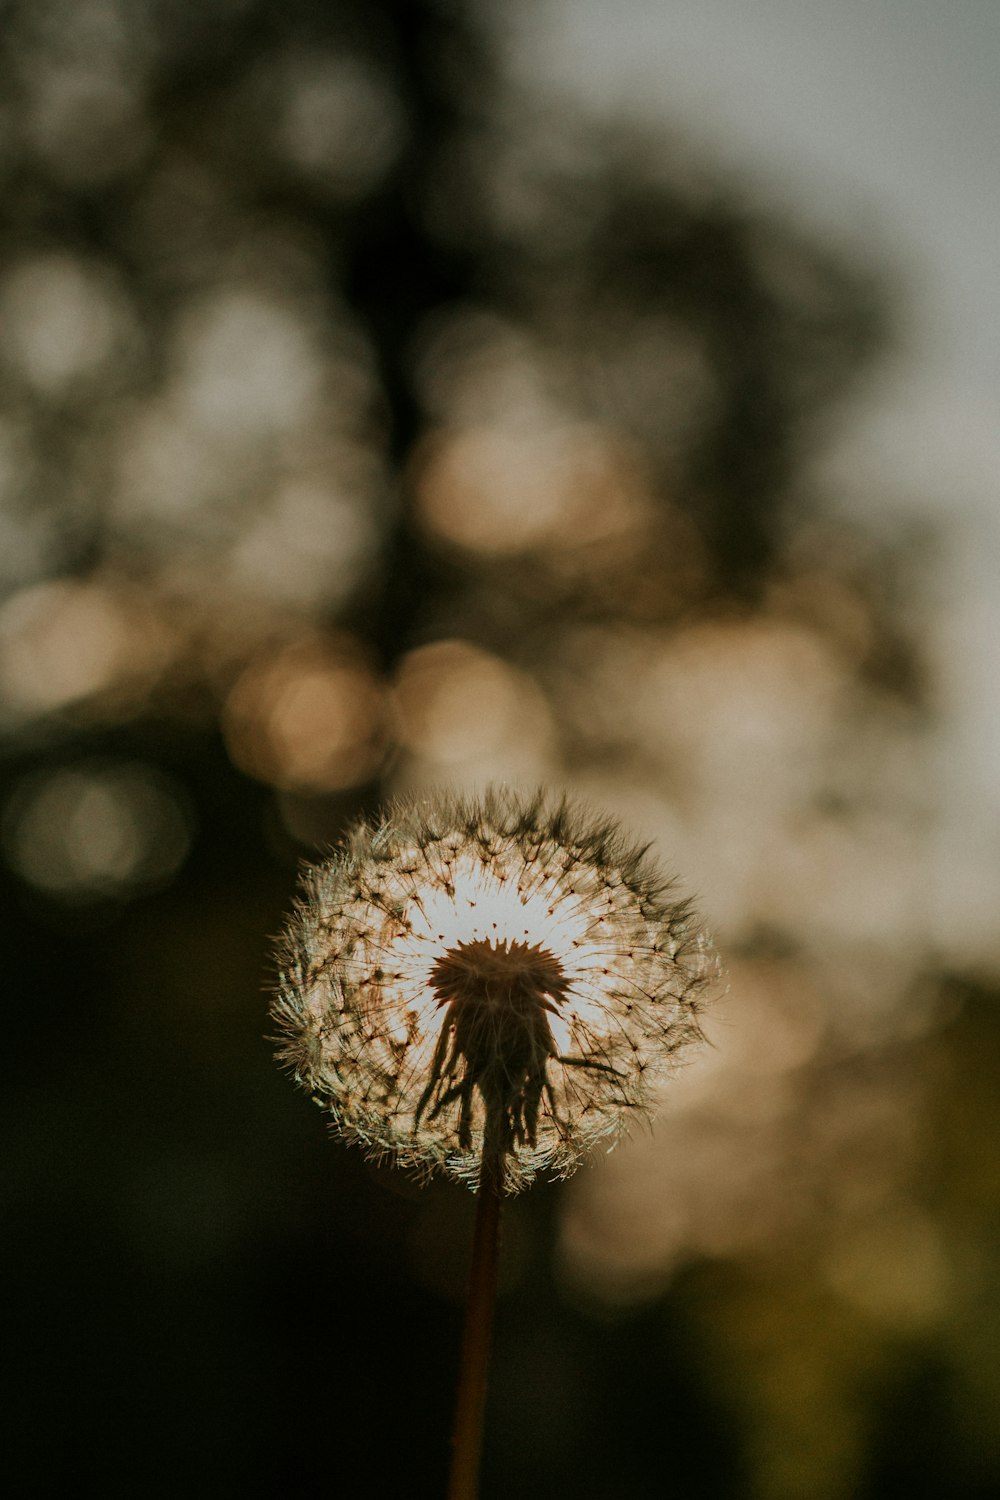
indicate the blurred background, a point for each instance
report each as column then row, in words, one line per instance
column 402, row 393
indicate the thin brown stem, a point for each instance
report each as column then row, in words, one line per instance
column 468, row 1431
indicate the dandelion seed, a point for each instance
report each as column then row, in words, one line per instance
column 492, row 977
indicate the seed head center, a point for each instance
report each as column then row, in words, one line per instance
column 493, row 975
column 495, row 1039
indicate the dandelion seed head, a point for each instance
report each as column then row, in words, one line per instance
column 494, row 965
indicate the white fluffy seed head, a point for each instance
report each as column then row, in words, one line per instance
column 499, row 968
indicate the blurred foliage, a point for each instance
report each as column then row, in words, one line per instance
column 367, row 425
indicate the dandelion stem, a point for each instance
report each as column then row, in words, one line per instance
column 468, row 1431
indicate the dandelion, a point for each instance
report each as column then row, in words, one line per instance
column 494, row 970
column 490, row 988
